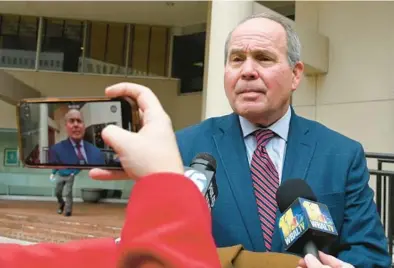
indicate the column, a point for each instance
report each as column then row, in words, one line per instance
column 223, row 16
column 43, row 133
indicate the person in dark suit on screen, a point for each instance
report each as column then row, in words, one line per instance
column 72, row 151
column 264, row 143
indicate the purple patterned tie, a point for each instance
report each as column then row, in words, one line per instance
column 265, row 180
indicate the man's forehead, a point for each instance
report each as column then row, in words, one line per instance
column 259, row 28
column 73, row 115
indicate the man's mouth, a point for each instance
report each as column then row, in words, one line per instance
column 251, row 90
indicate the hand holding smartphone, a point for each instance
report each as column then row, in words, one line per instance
column 66, row 132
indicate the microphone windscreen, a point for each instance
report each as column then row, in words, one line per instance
column 292, row 189
column 207, row 157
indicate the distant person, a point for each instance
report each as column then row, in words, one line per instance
column 65, row 179
column 72, row 151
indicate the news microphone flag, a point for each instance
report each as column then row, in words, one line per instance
column 306, row 220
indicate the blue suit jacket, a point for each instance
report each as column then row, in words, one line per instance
column 63, row 153
column 333, row 165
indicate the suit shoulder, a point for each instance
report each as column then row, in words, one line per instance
column 324, row 134
column 91, row 145
column 58, row 145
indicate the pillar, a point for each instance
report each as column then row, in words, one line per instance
column 43, row 133
column 223, row 16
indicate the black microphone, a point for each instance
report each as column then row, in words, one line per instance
column 306, row 226
column 202, row 172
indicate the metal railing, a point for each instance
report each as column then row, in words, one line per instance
column 384, row 192
column 53, row 61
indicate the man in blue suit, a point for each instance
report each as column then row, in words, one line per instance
column 264, row 143
column 72, row 151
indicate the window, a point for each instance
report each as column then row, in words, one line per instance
column 61, row 45
column 188, row 61
column 18, row 41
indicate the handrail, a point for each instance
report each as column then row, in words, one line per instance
column 384, row 177
column 382, row 173
column 388, row 156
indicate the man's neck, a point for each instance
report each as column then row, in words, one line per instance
column 74, row 141
column 269, row 119
column 280, row 126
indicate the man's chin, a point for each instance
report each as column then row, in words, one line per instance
column 254, row 114
column 251, row 111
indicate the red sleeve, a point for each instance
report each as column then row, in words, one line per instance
column 168, row 219
column 85, row 253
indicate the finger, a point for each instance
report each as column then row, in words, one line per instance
column 301, row 263
column 141, row 115
column 145, row 98
column 116, row 137
column 312, row 262
column 103, row 174
column 330, row 260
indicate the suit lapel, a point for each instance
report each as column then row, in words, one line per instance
column 300, row 148
column 301, row 145
column 87, row 151
column 71, row 152
column 232, row 152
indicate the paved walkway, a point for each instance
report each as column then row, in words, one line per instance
column 36, row 221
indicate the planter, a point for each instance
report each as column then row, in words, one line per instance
column 91, row 195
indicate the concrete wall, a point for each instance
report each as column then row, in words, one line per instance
column 356, row 97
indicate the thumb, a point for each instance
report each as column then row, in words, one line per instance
column 312, row 261
column 117, row 138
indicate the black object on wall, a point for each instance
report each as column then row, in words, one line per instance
column 188, row 61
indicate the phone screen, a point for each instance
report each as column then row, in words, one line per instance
column 67, row 133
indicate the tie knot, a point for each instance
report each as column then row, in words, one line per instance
column 263, row 136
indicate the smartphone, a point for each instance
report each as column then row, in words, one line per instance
column 59, row 133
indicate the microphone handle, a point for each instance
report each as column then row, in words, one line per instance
column 310, row 248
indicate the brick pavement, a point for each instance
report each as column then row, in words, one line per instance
column 36, row 221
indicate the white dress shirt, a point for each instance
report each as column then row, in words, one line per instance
column 276, row 147
column 82, row 149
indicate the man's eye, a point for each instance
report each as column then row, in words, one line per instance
column 236, row 59
column 263, row 58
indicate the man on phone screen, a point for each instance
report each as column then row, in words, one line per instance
column 72, row 151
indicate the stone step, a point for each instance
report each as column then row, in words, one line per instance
column 33, row 229
column 37, row 221
column 63, row 225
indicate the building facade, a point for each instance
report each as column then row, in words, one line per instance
column 177, row 49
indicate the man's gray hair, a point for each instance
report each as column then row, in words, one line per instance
column 293, row 41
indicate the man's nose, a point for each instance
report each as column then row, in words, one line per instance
column 249, row 71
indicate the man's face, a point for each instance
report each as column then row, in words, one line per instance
column 258, row 78
column 75, row 125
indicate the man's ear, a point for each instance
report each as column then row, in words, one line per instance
column 298, row 71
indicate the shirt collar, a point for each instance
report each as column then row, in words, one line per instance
column 74, row 144
column 280, row 127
